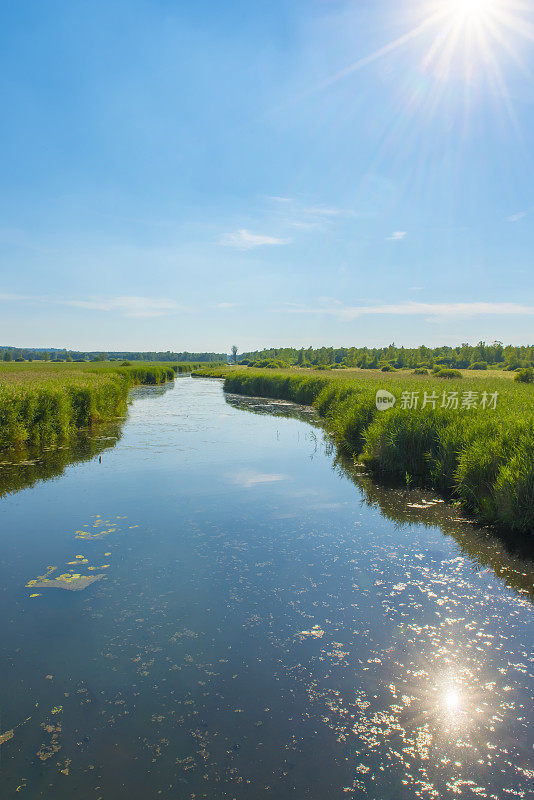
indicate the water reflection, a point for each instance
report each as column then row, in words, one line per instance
column 263, row 629
column 435, row 707
column 510, row 557
column 26, row 467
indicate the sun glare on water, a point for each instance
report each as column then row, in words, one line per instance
column 452, row 701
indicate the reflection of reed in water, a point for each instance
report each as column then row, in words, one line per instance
column 25, row 467
column 274, row 408
column 508, row 556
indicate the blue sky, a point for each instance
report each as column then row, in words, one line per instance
column 189, row 175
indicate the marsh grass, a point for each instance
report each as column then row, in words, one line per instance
column 44, row 403
column 482, row 457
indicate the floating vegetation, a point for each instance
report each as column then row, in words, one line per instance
column 6, row 736
column 52, row 746
column 73, row 581
column 316, row 633
column 88, row 535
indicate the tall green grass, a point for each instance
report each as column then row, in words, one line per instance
column 481, row 457
column 44, row 403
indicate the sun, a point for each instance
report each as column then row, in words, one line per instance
column 470, row 10
column 461, row 47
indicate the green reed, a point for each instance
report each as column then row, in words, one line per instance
column 44, row 403
column 483, row 457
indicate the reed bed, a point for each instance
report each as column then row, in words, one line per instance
column 44, row 403
column 480, row 455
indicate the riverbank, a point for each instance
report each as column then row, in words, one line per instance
column 480, row 453
column 43, row 403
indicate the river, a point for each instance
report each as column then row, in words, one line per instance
column 267, row 622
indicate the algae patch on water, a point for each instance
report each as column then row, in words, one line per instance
column 5, row 737
column 73, row 581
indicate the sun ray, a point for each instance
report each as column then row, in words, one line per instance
column 460, row 32
column 396, row 44
column 505, row 43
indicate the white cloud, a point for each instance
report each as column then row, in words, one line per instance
column 126, row 305
column 295, row 214
column 129, row 306
column 397, row 236
column 323, row 212
column 517, row 217
column 418, row 309
column 15, row 297
column 277, row 199
column 305, row 226
column 246, row 240
column 250, row 478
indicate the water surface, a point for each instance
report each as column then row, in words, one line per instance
column 270, row 624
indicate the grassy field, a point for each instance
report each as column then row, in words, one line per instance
column 42, row 403
column 473, row 438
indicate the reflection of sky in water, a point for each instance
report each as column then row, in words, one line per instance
column 265, row 628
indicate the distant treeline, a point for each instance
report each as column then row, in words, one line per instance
column 479, row 356
column 8, row 353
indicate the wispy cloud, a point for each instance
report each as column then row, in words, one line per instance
column 397, row 236
column 15, row 297
column 296, row 214
column 125, row 305
column 249, row 478
column 410, row 308
column 224, row 305
column 320, row 211
column 517, row 217
column 246, row 240
column 129, row 306
column 278, row 199
column 305, row 226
